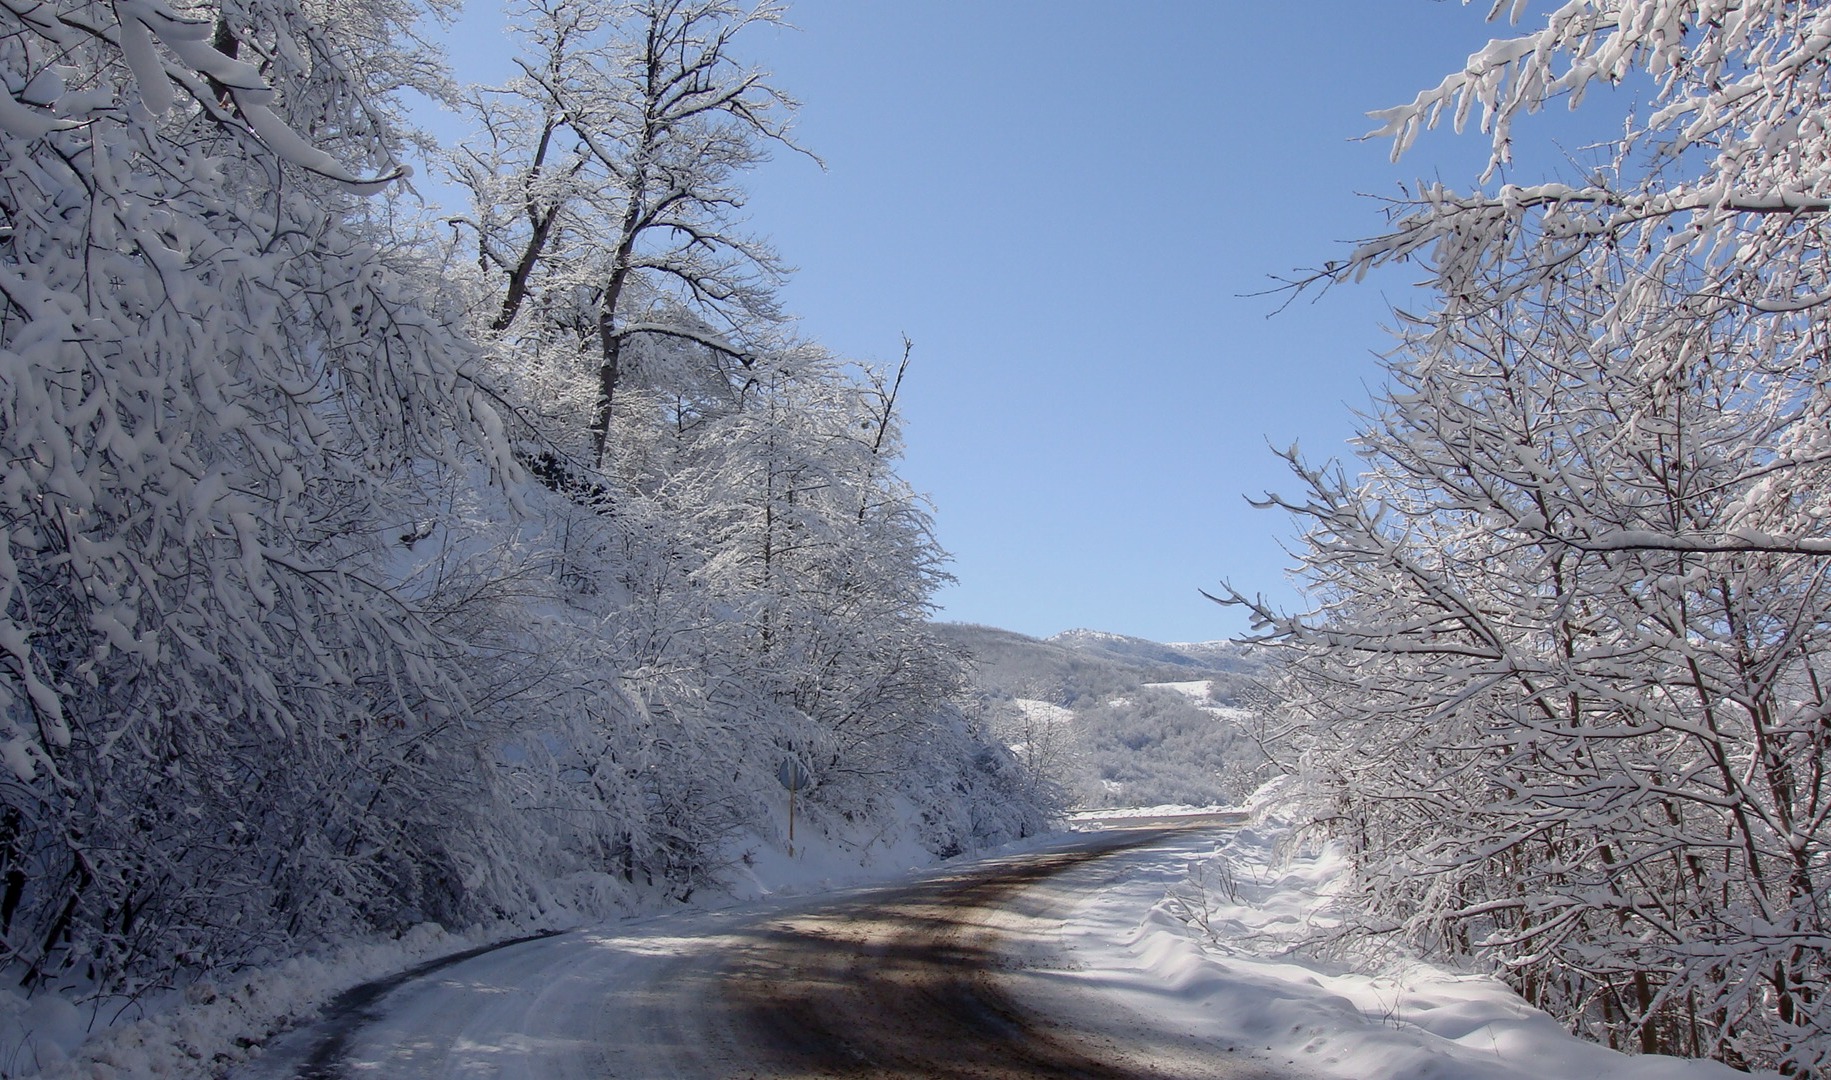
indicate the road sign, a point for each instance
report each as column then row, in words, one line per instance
column 793, row 774
column 794, row 777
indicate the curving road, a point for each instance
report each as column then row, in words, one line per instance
column 958, row 974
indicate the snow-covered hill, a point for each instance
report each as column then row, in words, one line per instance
column 1118, row 720
column 1216, row 656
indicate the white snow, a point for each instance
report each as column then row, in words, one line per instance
column 213, row 1026
column 1250, row 983
column 210, row 1025
column 1212, row 951
column 1196, row 691
column 1042, row 712
column 824, row 861
column 1092, row 818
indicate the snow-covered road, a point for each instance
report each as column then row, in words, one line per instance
column 1137, row 949
column 957, row 973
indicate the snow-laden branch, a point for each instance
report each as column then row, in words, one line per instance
column 1745, row 541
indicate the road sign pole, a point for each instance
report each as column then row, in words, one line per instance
column 794, row 777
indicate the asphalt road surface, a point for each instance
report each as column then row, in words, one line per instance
column 956, row 974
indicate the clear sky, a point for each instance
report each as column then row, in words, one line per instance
column 1067, row 206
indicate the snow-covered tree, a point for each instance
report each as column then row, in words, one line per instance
column 1566, row 672
column 827, row 552
column 316, row 615
column 217, row 402
column 605, row 188
column 1711, row 212
column 763, row 573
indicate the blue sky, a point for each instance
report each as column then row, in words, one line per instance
column 1067, row 206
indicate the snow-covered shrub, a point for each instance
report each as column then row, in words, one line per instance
column 334, row 596
column 1567, row 669
column 218, row 403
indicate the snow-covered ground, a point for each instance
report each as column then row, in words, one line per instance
column 1215, row 948
column 1210, row 949
column 1096, row 817
column 1195, row 690
column 210, row 1027
column 1197, row 693
column 1042, row 712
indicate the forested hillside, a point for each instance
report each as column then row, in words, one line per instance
column 1110, row 720
column 356, row 573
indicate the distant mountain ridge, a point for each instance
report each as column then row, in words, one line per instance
column 1090, row 708
column 1221, row 656
column 1078, row 665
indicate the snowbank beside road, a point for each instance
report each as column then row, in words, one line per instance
column 1208, row 934
column 213, row 1026
column 1097, row 816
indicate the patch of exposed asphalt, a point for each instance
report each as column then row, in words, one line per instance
column 907, row 984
